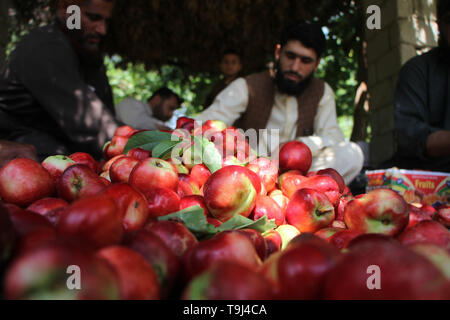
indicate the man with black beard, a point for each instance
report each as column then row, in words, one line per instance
column 54, row 92
column 291, row 103
column 422, row 105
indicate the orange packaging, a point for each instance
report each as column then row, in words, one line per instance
column 426, row 187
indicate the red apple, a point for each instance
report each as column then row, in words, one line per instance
column 131, row 204
column 226, row 246
column 280, row 199
column 438, row 256
column 416, row 214
column 230, row 191
column 273, row 242
column 95, row 220
column 187, row 188
column 228, row 280
column 161, row 201
column 257, row 240
column 153, row 172
column 25, row 276
column 231, row 161
column 24, row 221
column 137, row 278
column 193, row 201
column 24, row 181
column 336, row 176
column 342, row 238
column 267, row 172
column 324, row 184
column 55, row 165
column 85, row 158
column 380, row 211
column 266, row 206
column 139, row 153
column 295, row 155
column 343, row 201
column 290, row 181
column 370, row 238
column 178, row 166
column 185, row 123
column 376, row 270
column 108, row 164
column 174, row 234
column 300, row 271
column 44, row 206
column 79, row 181
column 287, row 233
column 443, row 216
column 124, row 131
column 115, row 147
column 309, row 210
column 121, row 169
column 327, row 233
column 214, row 125
column 54, row 216
column 200, row 174
column 155, row 251
column 32, row 229
column 428, row 232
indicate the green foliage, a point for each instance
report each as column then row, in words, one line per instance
column 339, row 65
column 133, row 80
column 194, row 219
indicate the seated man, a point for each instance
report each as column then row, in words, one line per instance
column 54, row 92
column 293, row 101
column 230, row 66
column 149, row 115
column 422, row 105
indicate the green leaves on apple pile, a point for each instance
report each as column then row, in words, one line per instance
column 161, row 144
column 195, row 220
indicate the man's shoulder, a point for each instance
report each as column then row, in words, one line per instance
column 48, row 39
column 130, row 103
column 45, row 35
column 266, row 74
column 424, row 61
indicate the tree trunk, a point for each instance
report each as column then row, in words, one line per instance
column 361, row 114
column 4, row 30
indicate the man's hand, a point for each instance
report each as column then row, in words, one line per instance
column 438, row 144
column 12, row 150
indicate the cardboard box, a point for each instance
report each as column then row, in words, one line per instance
column 427, row 187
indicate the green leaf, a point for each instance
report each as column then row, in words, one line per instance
column 164, row 148
column 195, row 220
column 211, row 156
column 240, row 222
column 147, row 140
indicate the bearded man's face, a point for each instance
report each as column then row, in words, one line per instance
column 95, row 17
column 295, row 67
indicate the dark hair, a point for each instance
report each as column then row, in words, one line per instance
column 308, row 33
column 166, row 93
column 231, row 51
column 443, row 6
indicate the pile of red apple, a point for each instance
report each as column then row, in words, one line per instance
column 105, row 219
